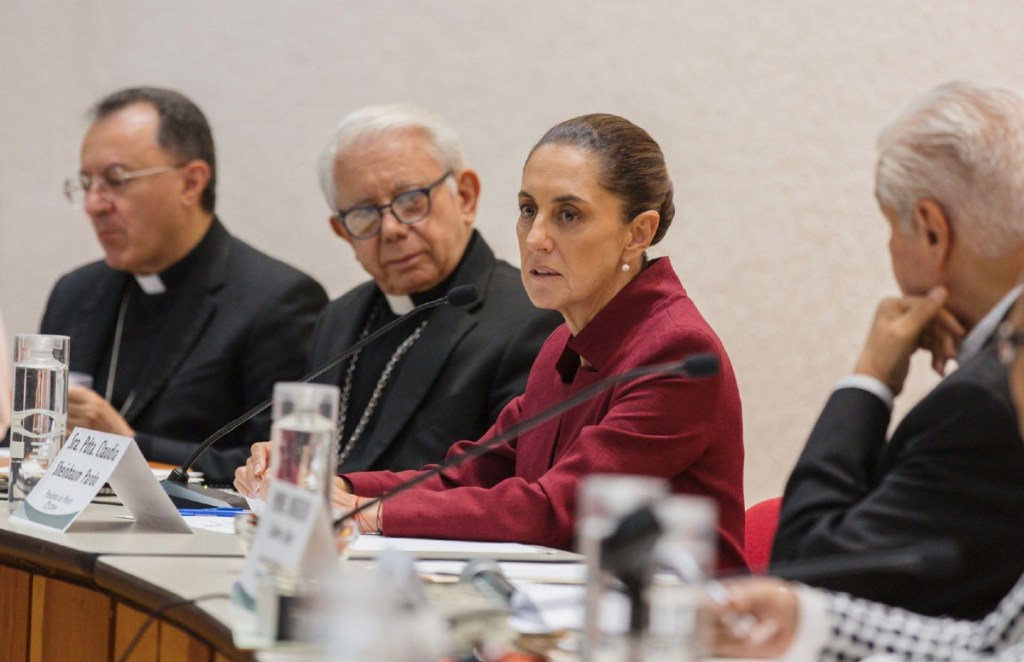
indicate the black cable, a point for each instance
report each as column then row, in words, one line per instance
column 158, row 612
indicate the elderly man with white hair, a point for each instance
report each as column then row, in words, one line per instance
column 950, row 182
column 403, row 199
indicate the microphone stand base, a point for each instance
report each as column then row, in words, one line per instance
column 196, row 496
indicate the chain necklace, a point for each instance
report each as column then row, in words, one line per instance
column 378, row 390
column 115, row 355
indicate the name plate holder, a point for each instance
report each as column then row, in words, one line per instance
column 88, row 460
column 293, row 544
column 294, row 534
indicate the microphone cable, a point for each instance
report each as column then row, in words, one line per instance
column 462, row 295
column 696, row 365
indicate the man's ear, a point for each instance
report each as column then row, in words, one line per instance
column 339, row 229
column 467, row 186
column 642, row 229
column 931, row 222
column 195, row 178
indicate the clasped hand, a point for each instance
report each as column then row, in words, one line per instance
column 252, row 480
column 88, row 409
column 902, row 326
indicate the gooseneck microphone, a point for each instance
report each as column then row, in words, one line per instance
column 626, row 553
column 185, row 495
column 629, row 553
column 488, row 578
column 695, row 366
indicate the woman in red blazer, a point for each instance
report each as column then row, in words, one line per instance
column 595, row 196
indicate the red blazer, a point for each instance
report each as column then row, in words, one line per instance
column 688, row 431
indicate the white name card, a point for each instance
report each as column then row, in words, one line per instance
column 88, row 461
column 294, row 532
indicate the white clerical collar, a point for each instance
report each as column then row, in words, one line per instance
column 399, row 304
column 151, row 284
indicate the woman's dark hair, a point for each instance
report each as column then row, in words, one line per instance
column 183, row 129
column 632, row 165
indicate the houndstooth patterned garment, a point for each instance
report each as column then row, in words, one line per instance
column 860, row 629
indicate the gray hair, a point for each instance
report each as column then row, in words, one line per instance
column 375, row 121
column 961, row 145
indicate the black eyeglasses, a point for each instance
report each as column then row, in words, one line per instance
column 1008, row 341
column 408, row 207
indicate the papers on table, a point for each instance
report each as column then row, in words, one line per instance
column 158, row 473
column 515, row 571
column 162, row 474
column 548, row 597
column 211, row 523
column 428, row 548
column 538, row 608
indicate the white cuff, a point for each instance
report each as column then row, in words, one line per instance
column 876, row 387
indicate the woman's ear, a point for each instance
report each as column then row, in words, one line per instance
column 642, row 229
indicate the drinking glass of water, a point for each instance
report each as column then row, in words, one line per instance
column 39, row 410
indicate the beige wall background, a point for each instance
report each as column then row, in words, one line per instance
column 767, row 112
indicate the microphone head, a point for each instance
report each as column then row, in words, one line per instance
column 626, row 552
column 463, row 295
column 476, row 566
column 488, row 578
column 699, row 365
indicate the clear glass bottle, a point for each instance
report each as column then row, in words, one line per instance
column 303, row 435
column 304, row 454
column 604, row 501
column 684, row 559
column 39, row 410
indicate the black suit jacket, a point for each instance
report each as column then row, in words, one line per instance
column 241, row 324
column 954, row 469
column 467, row 365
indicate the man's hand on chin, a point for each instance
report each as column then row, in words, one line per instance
column 902, row 326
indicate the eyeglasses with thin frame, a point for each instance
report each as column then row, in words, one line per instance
column 111, row 181
column 408, row 208
column 1008, row 342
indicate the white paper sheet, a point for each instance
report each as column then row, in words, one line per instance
column 218, row 524
column 457, row 548
column 515, row 571
column 538, row 608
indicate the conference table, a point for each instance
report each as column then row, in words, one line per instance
column 84, row 594
column 87, row 593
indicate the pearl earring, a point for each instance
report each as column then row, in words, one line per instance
column 625, row 267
